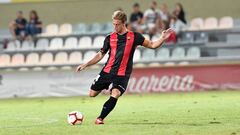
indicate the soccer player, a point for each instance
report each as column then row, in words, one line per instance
column 121, row 45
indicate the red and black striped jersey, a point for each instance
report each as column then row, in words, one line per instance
column 121, row 50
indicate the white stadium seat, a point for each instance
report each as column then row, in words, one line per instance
column 148, row 54
column 211, row 23
column 85, row 42
column 88, row 55
column 51, row 30
column 17, row 60
column 32, row 59
column 178, row 53
column 163, row 54
column 75, row 58
column 56, row 43
column 5, row 60
column 226, row 22
column 61, row 58
column 137, row 55
column 193, row 53
column 46, row 58
column 98, row 41
column 42, row 44
column 14, row 45
column 71, row 43
column 65, row 29
column 196, row 24
column 27, row 45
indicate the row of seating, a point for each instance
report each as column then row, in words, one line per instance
column 81, row 28
column 98, row 28
column 211, row 23
column 77, row 57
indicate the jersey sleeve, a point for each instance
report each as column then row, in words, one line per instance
column 106, row 45
column 139, row 39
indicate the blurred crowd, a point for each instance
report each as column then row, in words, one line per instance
column 152, row 21
column 158, row 18
column 22, row 28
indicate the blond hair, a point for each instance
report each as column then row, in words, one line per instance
column 120, row 15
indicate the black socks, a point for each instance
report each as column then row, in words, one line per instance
column 108, row 107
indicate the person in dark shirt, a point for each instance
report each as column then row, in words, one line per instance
column 34, row 26
column 120, row 45
column 17, row 27
column 136, row 14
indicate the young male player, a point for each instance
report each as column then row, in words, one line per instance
column 121, row 45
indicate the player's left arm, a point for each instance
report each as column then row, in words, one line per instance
column 155, row 44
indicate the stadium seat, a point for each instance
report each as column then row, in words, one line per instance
column 5, row 60
column 137, row 55
column 14, row 45
column 211, row 23
column 186, row 38
column 163, row 54
column 155, row 37
column 80, row 28
column 27, row 45
column 17, row 60
column 32, row 59
column 42, row 44
column 193, row 53
column 95, row 28
column 61, row 58
column 85, row 42
column 201, row 37
column 51, row 30
column 196, row 24
column 107, row 28
column 89, row 55
column 154, row 64
column 178, row 53
column 98, row 41
column 71, row 43
column 148, row 54
column 75, row 58
column 65, row 29
column 226, row 22
column 56, row 43
column 46, row 59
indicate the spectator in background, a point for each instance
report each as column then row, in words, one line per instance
column 136, row 14
column 164, row 13
column 151, row 17
column 177, row 25
column 34, row 26
column 179, row 12
column 164, row 25
column 17, row 27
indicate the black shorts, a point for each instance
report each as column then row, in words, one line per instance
column 103, row 80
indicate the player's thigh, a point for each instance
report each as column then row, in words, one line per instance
column 93, row 93
column 119, row 86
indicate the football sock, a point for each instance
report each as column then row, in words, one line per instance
column 108, row 107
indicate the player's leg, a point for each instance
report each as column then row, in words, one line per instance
column 93, row 93
column 119, row 87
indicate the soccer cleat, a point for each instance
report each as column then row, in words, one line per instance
column 99, row 121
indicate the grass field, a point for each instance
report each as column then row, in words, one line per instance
column 198, row 113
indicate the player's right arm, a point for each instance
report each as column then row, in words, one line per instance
column 93, row 61
column 98, row 56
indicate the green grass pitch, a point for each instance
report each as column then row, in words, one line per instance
column 195, row 113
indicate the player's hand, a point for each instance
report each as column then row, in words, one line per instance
column 81, row 67
column 166, row 34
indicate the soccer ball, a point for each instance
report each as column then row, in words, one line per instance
column 75, row 118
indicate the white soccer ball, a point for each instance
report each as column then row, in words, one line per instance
column 75, row 118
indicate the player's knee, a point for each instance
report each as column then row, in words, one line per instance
column 92, row 95
column 116, row 93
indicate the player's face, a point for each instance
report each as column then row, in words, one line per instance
column 118, row 25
